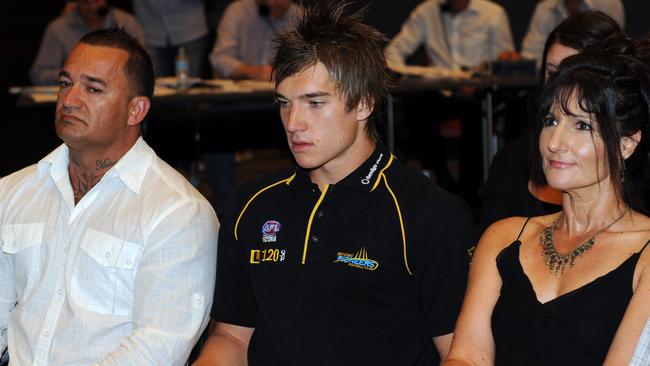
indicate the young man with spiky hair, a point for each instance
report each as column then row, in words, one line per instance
column 347, row 258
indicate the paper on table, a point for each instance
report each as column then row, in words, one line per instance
column 43, row 97
column 255, row 84
column 41, row 89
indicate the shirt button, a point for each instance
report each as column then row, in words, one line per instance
column 129, row 262
column 108, row 254
column 60, row 291
column 14, row 243
column 46, row 333
column 65, row 249
column 314, row 238
column 320, row 214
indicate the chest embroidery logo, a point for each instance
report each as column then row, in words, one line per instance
column 269, row 231
column 359, row 260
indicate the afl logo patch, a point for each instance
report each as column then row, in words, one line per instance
column 269, row 231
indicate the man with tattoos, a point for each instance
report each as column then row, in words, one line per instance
column 107, row 253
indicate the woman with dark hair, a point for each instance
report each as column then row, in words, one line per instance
column 572, row 288
column 508, row 191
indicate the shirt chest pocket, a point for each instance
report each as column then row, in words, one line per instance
column 22, row 242
column 104, row 275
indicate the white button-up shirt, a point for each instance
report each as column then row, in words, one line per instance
column 125, row 277
column 478, row 33
column 550, row 13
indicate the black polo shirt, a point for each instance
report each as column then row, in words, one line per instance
column 363, row 273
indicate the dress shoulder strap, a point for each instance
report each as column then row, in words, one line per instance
column 646, row 244
column 523, row 227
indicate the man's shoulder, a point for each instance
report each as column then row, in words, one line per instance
column 165, row 181
column 268, row 181
column 545, row 7
column 488, row 7
column 411, row 186
column 127, row 21
column 19, row 176
column 427, row 8
column 240, row 7
column 61, row 23
column 122, row 16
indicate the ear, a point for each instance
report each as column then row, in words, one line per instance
column 629, row 144
column 138, row 109
column 364, row 110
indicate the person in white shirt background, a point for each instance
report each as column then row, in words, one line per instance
column 108, row 254
column 456, row 35
column 549, row 14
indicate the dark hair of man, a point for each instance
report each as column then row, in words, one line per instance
column 612, row 84
column 138, row 68
column 350, row 51
column 579, row 31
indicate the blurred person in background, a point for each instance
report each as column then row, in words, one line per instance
column 456, row 35
column 245, row 37
column 170, row 25
column 77, row 19
column 549, row 14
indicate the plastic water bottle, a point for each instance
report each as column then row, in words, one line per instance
column 182, row 68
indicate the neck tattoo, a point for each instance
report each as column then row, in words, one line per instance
column 555, row 261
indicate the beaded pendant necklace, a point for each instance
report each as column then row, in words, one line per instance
column 556, row 261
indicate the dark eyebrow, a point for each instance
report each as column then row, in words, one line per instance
column 93, row 79
column 64, row 74
column 314, row 95
column 305, row 96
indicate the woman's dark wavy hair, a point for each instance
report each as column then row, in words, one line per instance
column 579, row 31
column 351, row 52
column 612, row 83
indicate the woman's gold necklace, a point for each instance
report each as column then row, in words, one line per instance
column 556, row 261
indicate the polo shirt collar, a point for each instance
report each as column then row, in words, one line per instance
column 131, row 169
column 363, row 178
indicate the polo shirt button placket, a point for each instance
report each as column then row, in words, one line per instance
column 314, row 238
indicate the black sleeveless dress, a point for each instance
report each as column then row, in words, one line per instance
column 576, row 328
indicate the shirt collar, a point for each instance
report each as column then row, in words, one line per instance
column 131, row 168
column 56, row 163
column 364, row 178
column 134, row 165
